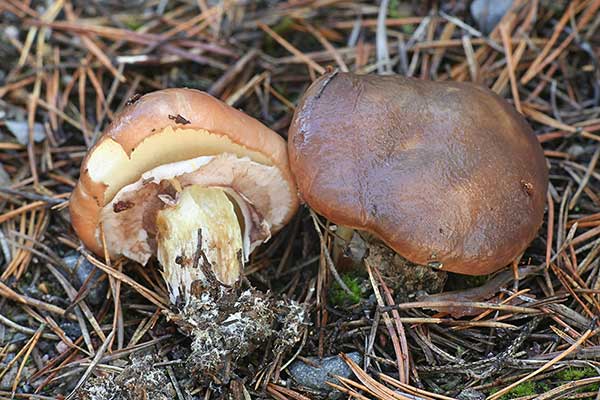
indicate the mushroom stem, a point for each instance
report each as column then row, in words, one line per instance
column 199, row 241
column 343, row 237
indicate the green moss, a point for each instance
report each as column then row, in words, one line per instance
column 408, row 29
column 528, row 388
column 524, row 389
column 339, row 297
column 590, row 388
column 566, row 375
column 574, row 374
column 284, row 25
column 543, row 387
column 398, row 9
column 393, row 11
column 133, row 23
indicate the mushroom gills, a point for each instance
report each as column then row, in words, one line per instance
column 199, row 241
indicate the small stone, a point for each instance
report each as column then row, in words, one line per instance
column 9, row 377
column 470, row 394
column 487, row 13
column 20, row 130
column 12, row 32
column 4, row 177
column 576, row 150
column 79, row 268
column 318, row 372
column 61, row 347
column 72, row 329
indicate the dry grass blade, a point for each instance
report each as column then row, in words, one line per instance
column 395, row 335
column 349, row 392
column 7, row 292
column 92, row 365
column 30, row 346
column 588, row 173
column 24, row 351
column 466, row 304
column 288, row 46
column 507, row 42
column 378, row 389
column 327, row 256
column 147, row 293
column 280, row 390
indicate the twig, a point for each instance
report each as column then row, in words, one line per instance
column 92, row 365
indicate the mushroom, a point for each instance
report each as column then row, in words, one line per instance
column 447, row 174
column 181, row 175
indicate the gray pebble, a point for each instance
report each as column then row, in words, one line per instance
column 487, row 13
column 79, row 268
column 576, row 150
column 4, row 177
column 20, row 129
column 72, row 329
column 316, row 377
column 471, row 394
column 9, row 377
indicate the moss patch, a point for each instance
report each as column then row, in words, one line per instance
column 339, row 297
column 575, row 374
column 524, row 389
column 531, row 388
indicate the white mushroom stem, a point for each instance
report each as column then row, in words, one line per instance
column 199, row 241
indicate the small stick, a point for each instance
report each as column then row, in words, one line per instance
column 289, row 47
column 586, row 178
column 95, row 361
column 510, row 64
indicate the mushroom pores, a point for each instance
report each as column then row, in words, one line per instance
column 182, row 176
column 447, row 174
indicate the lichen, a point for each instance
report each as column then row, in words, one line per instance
column 226, row 327
column 139, row 380
column 291, row 316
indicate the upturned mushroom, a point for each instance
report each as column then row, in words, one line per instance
column 447, row 174
column 181, row 175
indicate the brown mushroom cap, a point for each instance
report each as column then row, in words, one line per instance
column 443, row 172
column 164, row 127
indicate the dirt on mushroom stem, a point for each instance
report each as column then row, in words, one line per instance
column 225, row 321
column 228, row 324
column 407, row 280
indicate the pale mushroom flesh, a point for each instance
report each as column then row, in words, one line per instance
column 201, row 217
